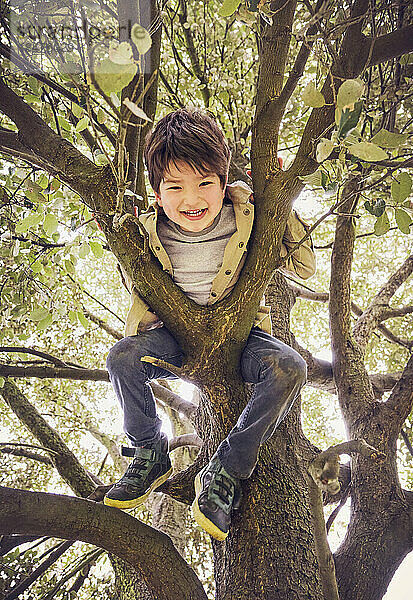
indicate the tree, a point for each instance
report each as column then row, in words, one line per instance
column 341, row 72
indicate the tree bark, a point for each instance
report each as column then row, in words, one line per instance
column 161, row 567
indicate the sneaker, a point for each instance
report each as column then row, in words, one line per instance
column 151, row 466
column 217, row 494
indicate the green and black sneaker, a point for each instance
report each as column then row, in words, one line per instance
column 151, row 466
column 217, row 494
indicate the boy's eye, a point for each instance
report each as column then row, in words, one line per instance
column 175, row 187
column 205, row 183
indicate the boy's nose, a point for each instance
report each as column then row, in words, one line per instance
column 193, row 198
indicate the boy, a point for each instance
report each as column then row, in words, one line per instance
column 199, row 229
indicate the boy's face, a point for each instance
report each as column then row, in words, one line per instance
column 188, row 198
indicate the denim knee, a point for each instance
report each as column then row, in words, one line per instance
column 290, row 366
column 125, row 356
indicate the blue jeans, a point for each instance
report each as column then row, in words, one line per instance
column 277, row 371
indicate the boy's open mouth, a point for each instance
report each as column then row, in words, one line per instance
column 193, row 215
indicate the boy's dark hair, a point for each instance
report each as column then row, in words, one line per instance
column 188, row 135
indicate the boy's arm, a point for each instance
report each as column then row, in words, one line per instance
column 302, row 261
column 139, row 318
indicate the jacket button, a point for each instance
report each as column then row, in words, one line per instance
column 246, row 211
column 228, row 272
column 157, row 247
column 213, row 294
column 241, row 244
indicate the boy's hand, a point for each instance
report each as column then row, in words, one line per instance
column 150, row 321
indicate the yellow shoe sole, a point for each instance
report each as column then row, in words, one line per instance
column 125, row 504
column 201, row 519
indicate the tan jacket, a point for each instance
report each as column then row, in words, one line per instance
column 301, row 263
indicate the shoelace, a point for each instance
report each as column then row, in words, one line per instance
column 224, row 488
column 135, row 468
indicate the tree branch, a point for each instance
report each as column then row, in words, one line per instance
column 63, row 459
column 53, row 359
column 59, row 156
column 187, row 439
column 324, row 469
column 11, row 144
column 355, row 392
column 15, row 451
column 370, row 318
column 392, row 45
column 192, row 53
column 298, row 69
column 174, row 401
column 162, row 394
column 102, row 324
column 38, row 571
column 54, row 373
column 75, row 518
column 308, row 294
column 356, row 54
column 392, row 313
column 401, row 398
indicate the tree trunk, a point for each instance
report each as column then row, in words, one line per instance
column 274, row 522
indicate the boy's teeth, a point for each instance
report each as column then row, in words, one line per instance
column 194, row 212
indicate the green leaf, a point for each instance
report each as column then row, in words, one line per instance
column 72, row 317
column 367, row 151
column 401, row 188
column 45, row 323
column 43, row 182
column 403, row 220
column 68, row 265
column 136, row 110
column 28, row 222
column 348, row 119
column 30, row 98
column 375, row 207
column 2, row 380
column 121, row 54
column 38, row 314
column 82, row 124
column 32, row 186
column 33, row 84
column 50, row 224
column 84, row 250
column 64, row 123
column 97, row 249
column 382, row 225
column 83, row 320
column 77, row 110
column 324, row 149
column 55, row 184
column 224, row 96
column 312, row 97
column 101, row 116
column 388, row 139
column 228, row 7
column 113, row 78
column 349, row 92
column 101, row 159
column 141, row 38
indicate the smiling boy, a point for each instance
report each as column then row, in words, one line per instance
column 199, row 229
